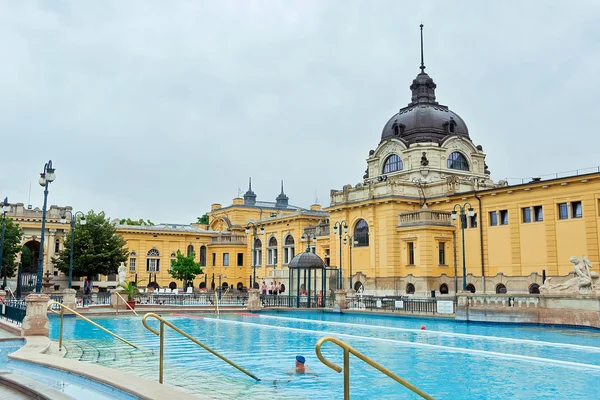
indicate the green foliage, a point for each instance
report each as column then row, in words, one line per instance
column 26, row 258
column 203, row 219
column 127, row 221
column 97, row 249
column 184, row 268
column 130, row 289
column 12, row 245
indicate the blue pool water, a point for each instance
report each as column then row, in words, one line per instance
column 449, row 360
column 71, row 385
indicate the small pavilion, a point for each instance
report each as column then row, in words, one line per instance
column 308, row 280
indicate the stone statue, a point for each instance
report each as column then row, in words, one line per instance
column 584, row 282
column 424, row 160
column 122, row 274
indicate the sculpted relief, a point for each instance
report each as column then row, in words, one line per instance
column 585, row 281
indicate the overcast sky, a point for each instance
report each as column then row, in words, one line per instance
column 156, row 109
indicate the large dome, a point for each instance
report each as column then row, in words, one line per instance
column 424, row 120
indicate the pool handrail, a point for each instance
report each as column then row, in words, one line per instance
column 347, row 351
column 161, row 336
column 62, row 314
column 126, row 303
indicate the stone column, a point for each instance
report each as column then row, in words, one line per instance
column 340, row 300
column 254, row 303
column 69, row 299
column 35, row 322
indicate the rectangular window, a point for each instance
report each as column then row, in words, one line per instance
column 411, row 253
column 563, row 211
column 473, row 221
column 240, row 262
column 538, row 213
column 132, row 265
column 57, row 246
column 226, row 259
column 526, row 214
column 503, row 217
column 152, row 265
column 214, row 259
column 576, row 211
column 442, row 253
column 493, row 218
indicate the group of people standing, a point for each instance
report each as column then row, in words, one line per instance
column 275, row 288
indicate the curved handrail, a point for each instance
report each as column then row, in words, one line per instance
column 176, row 329
column 126, row 303
column 62, row 313
column 347, row 350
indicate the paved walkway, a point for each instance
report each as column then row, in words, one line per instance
column 10, row 394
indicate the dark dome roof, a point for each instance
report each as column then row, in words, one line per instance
column 424, row 119
column 306, row 260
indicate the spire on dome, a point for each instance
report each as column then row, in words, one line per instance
column 422, row 64
column 250, row 197
column 282, row 199
column 423, row 87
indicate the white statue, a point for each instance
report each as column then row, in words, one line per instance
column 584, row 282
column 122, row 274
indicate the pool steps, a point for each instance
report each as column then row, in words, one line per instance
column 30, row 388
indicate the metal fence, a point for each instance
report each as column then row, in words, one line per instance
column 275, row 301
column 195, row 299
column 96, row 299
column 402, row 304
column 13, row 311
column 56, row 298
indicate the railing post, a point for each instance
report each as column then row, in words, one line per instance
column 60, row 335
column 162, row 349
column 346, row 374
column 35, row 322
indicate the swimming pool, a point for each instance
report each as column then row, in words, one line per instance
column 449, row 360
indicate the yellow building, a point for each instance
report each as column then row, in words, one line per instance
column 396, row 230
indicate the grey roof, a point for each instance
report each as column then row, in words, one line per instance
column 306, row 260
column 165, row 227
column 424, row 119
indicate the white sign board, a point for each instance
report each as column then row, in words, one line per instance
column 399, row 304
column 378, row 303
column 445, row 307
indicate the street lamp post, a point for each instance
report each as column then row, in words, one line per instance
column 4, row 209
column 63, row 219
column 463, row 225
column 349, row 240
column 306, row 238
column 339, row 229
column 254, row 237
column 46, row 177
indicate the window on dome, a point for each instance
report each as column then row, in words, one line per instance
column 457, row 161
column 392, row 163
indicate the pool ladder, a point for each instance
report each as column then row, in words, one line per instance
column 62, row 316
column 350, row 350
column 161, row 335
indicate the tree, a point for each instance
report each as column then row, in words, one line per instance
column 184, row 268
column 12, row 245
column 139, row 222
column 25, row 258
column 97, row 249
column 203, row 220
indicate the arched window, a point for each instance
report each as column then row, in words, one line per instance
column 288, row 249
column 257, row 259
column 392, row 163
column 240, row 286
column 202, row 285
column 203, row 256
column 173, row 285
column 534, row 288
column 190, row 250
column 361, row 234
column 410, row 289
column 457, row 161
column 500, row 288
column 443, row 288
column 272, row 251
column 224, row 285
column 152, row 261
column 358, row 286
column 471, row 288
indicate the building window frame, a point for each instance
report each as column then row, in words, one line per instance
column 240, row 259
column 493, row 218
column 442, row 253
column 538, row 213
column 288, row 249
column 473, row 221
column 361, row 233
column 226, row 259
column 257, row 253
column 214, row 259
column 153, row 261
column 132, row 264
column 392, row 164
column 563, row 211
column 503, row 217
column 576, row 209
column 458, row 161
column 526, row 215
column 272, row 251
column 410, row 247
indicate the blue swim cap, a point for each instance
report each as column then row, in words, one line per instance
column 300, row 359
